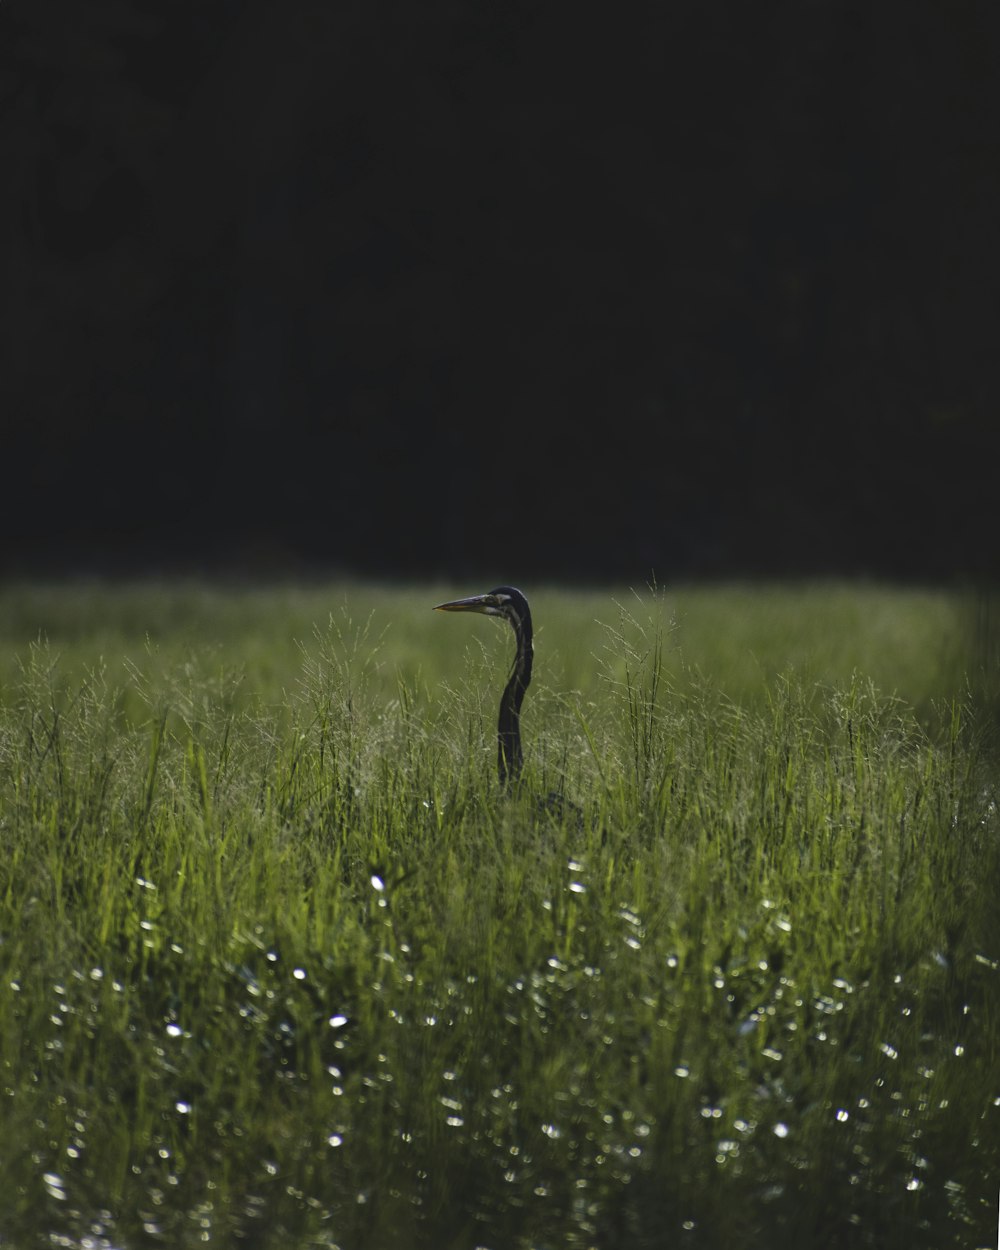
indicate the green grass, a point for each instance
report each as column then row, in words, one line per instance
column 279, row 967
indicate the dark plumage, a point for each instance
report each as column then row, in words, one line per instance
column 508, row 602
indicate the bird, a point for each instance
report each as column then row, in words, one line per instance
column 509, row 603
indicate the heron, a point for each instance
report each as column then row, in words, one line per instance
column 509, row 603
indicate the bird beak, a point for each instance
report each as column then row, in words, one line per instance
column 475, row 603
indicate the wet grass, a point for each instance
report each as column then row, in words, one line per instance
column 280, row 968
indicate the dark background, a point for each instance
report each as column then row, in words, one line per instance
column 511, row 290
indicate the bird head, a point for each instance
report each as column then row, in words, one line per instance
column 505, row 601
column 495, row 603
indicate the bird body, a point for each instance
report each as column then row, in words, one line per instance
column 509, row 603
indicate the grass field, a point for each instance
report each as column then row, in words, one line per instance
column 281, row 968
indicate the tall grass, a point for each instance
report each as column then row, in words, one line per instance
column 280, row 967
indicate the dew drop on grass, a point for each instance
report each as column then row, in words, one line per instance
column 174, row 1030
column 843, row 1115
column 299, row 974
column 53, row 1183
column 377, row 883
column 335, row 1139
column 337, row 1022
column 780, row 1130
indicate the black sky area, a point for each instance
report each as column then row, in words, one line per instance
column 516, row 290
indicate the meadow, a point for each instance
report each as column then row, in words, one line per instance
column 279, row 966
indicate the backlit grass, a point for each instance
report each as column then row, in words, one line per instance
column 279, row 964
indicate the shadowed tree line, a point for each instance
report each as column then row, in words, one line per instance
column 313, row 283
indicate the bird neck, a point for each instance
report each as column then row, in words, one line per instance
column 510, row 757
